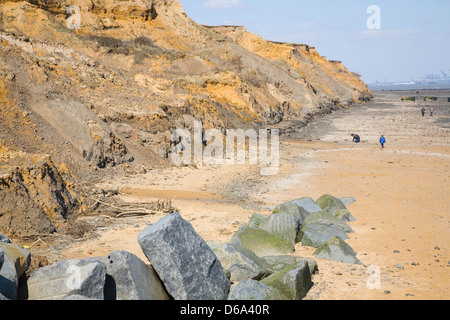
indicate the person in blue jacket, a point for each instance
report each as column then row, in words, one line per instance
column 382, row 141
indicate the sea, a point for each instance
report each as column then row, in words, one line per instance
column 408, row 87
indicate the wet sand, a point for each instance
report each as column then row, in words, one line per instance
column 402, row 194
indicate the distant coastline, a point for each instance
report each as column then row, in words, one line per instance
column 408, row 87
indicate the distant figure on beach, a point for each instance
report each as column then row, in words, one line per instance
column 423, row 112
column 356, row 138
column 431, row 111
column 382, row 141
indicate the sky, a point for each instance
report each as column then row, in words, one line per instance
column 395, row 41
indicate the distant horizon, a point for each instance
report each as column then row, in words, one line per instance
column 439, row 77
column 382, row 40
column 422, row 80
column 407, row 87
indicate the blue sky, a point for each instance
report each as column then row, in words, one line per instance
column 413, row 39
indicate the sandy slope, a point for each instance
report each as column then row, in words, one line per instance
column 402, row 199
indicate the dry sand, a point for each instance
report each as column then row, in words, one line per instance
column 402, row 198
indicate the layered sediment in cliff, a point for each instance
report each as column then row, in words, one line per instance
column 329, row 78
column 36, row 197
column 101, row 83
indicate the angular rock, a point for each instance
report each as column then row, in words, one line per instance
column 329, row 203
column 15, row 262
column 72, row 278
column 329, row 219
column 283, row 225
column 261, row 242
column 315, row 234
column 184, row 262
column 347, row 200
column 8, row 281
column 4, row 239
column 293, row 282
column 19, row 257
column 308, row 204
column 293, row 208
column 254, row 290
column 129, row 278
column 241, row 263
column 256, row 220
column 344, row 215
column 2, row 297
column 2, row 256
column 337, row 250
column 278, row 263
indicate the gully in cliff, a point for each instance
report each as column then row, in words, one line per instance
column 207, row 147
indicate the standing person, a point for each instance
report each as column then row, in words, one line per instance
column 431, row 111
column 423, row 111
column 356, row 138
column 382, row 141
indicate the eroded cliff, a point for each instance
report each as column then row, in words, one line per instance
column 100, row 83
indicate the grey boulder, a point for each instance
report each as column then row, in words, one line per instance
column 315, row 234
column 283, row 225
column 254, row 290
column 2, row 256
column 241, row 263
column 255, row 220
column 16, row 262
column 278, row 263
column 308, row 204
column 329, row 219
column 261, row 242
column 4, row 298
column 293, row 282
column 129, row 278
column 329, row 203
column 347, row 200
column 184, row 262
column 337, row 249
column 344, row 215
column 4, row 239
column 73, row 278
column 293, row 207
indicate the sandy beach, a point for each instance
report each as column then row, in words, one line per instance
column 402, row 197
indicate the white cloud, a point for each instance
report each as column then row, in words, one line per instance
column 222, row 3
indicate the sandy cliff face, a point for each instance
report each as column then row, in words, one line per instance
column 107, row 82
column 330, row 79
column 145, row 68
column 36, row 197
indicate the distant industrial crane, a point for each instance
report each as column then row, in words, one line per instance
column 444, row 74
